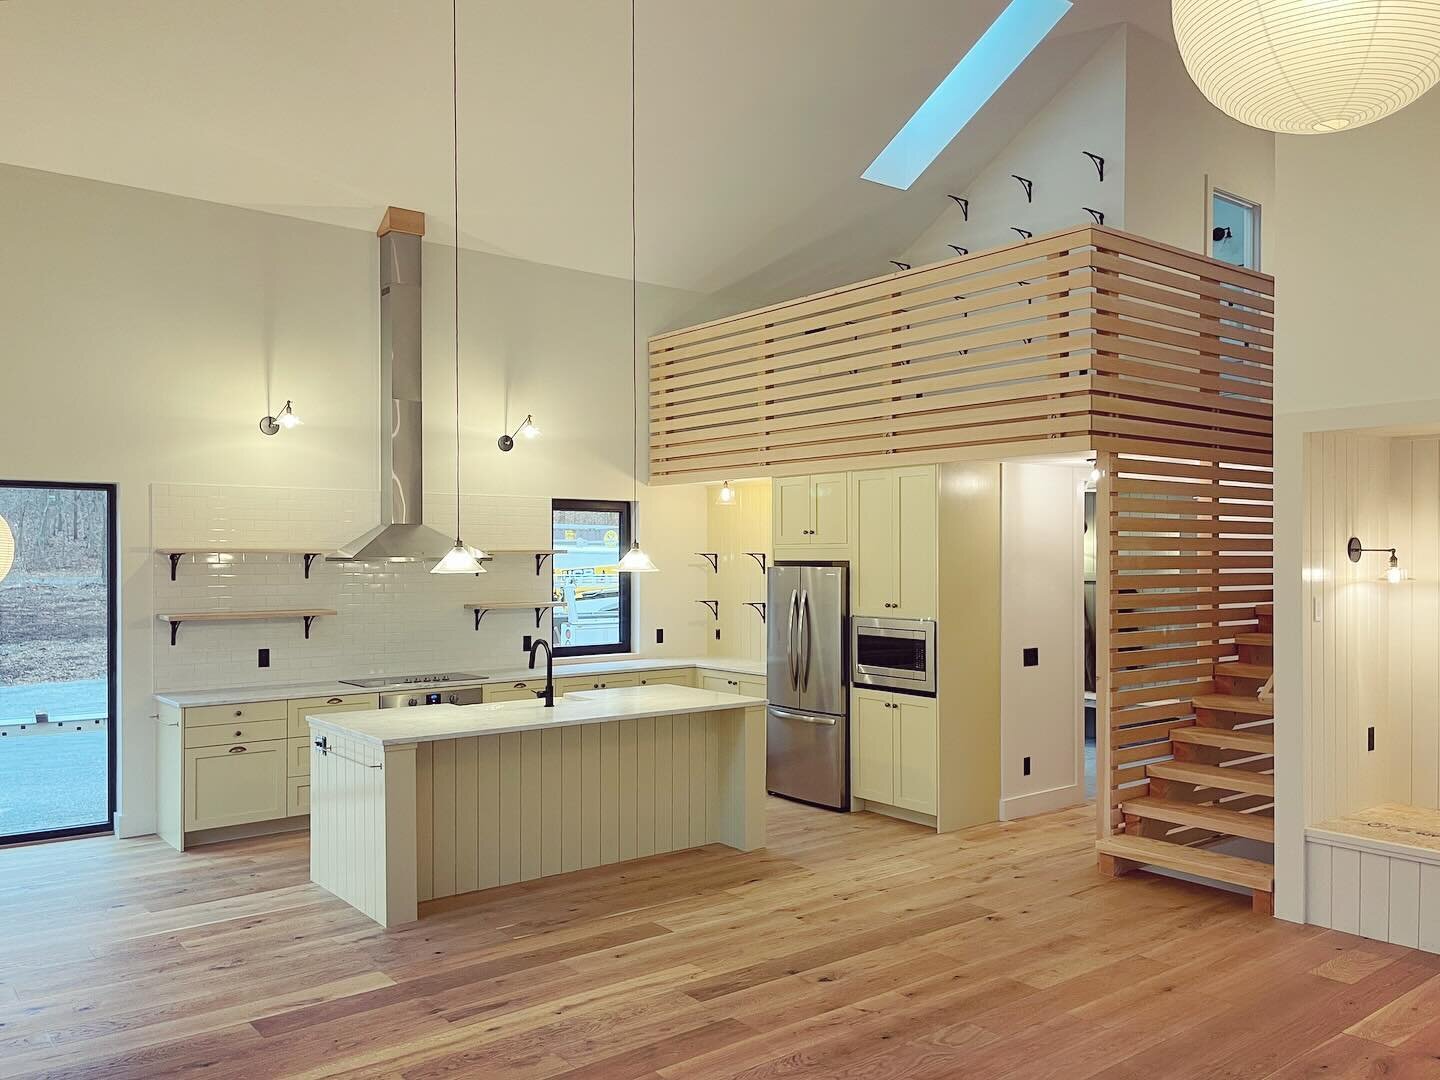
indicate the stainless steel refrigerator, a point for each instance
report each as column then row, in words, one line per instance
column 807, row 754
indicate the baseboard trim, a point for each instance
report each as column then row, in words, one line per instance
column 242, row 832
column 898, row 812
column 1041, row 802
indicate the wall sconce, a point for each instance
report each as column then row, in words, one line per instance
column 1393, row 573
column 726, row 495
column 285, row 418
column 527, row 428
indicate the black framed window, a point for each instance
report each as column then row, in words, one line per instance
column 57, row 659
column 593, row 616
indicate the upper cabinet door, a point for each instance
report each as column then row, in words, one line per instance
column 874, row 567
column 916, row 589
column 830, row 517
column 793, row 509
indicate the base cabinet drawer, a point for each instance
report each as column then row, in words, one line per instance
column 527, row 690
column 725, row 682
column 235, row 784
column 250, row 712
column 300, row 708
column 242, row 731
column 297, row 796
column 667, row 678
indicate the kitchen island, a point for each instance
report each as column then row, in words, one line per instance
column 409, row 805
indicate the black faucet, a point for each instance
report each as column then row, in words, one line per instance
column 549, row 694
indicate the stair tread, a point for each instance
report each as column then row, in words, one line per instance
column 1238, row 703
column 1188, row 772
column 1214, row 818
column 1267, row 640
column 1231, row 869
column 1253, row 742
column 1238, row 669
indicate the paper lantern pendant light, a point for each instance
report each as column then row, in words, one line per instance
column 1309, row 67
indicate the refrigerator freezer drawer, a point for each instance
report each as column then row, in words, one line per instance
column 806, row 757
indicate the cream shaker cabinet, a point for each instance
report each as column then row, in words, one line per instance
column 893, row 749
column 811, row 510
column 896, row 546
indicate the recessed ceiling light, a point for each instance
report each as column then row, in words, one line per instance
column 972, row 82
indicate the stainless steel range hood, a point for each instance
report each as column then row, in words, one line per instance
column 401, row 535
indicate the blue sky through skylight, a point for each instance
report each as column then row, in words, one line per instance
column 971, row 83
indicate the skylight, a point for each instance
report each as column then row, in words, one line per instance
column 971, row 83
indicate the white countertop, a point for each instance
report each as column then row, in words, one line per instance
column 399, row 727
column 239, row 695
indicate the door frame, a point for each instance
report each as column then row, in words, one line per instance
column 112, row 612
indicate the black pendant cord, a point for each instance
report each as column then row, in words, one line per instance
column 634, row 287
column 455, row 173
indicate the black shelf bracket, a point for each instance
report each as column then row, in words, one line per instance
column 1025, row 234
column 899, row 265
column 479, row 614
column 540, row 614
column 308, row 620
column 760, row 557
column 712, row 557
column 758, row 605
column 310, row 557
column 958, row 249
column 174, row 630
column 713, row 605
column 1098, row 215
column 174, row 560
column 964, row 205
column 540, row 557
column 1028, row 185
column 1098, row 162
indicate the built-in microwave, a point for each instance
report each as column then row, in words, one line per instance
column 893, row 654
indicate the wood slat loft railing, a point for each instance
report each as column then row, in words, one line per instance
column 1086, row 338
column 1188, row 557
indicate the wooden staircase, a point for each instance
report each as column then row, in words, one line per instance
column 1219, row 783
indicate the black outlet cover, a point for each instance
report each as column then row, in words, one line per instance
column 717, row 634
column 1370, row 739
column 526, row 646
column 264, row 657
column 659, row 636
column 1032, row 657
column 1027, row 766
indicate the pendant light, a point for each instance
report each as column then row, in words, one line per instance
column 635, row 560
column 461, row 559
column 1309, row 67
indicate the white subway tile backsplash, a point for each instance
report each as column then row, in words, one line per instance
column 392, row 617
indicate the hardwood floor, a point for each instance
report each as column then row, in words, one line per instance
column 853, row 946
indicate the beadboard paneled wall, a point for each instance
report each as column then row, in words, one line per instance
column 392, row 617
column 1346, row 687
column 734, row 529
column 1414, row 622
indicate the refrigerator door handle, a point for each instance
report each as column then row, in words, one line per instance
column 791, row 651
column 805, row 639
column 807, row 718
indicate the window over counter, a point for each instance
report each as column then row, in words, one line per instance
column 593, row 615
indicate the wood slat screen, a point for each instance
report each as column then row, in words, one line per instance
column 1187, row 551
column 1085, row 338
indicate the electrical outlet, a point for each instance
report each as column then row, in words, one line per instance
column 264, row 657
column 659, row 636
column 1370, row 740
column 528, row 643
column 1032, row 657
column 717, row 635
column 1027, row 766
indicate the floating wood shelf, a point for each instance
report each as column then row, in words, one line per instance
column 541, row 554
column 511, row 605
column 309, row 615
column 309, row 554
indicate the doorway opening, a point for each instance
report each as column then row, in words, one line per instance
column 57, row 659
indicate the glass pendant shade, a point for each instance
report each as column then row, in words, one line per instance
column 458, row 560
column 636, row 561
column 1309, row 67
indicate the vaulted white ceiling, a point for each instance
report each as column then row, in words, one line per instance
column 756, row 117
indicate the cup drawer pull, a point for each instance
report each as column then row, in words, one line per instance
column 237, row 749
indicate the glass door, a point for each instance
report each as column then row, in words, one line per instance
column 57, row 659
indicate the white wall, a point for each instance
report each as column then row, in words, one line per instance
column 1178, row 146
column 1042, row 526
column 146, row 335
column 1088, row 114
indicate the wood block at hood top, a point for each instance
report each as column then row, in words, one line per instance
column 400, row 220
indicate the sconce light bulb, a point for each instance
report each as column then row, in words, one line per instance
column 529, row 428
column 1094, row 476
column 727, row 493
column 1393, row 574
